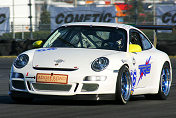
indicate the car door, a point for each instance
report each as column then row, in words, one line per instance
column 142, row 61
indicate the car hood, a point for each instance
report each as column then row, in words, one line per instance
column 67, row 58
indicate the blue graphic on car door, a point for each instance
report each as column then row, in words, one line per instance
column 144, row 69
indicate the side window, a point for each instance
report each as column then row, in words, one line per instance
column 145, row 43
column 138, row 38
column 135, row 38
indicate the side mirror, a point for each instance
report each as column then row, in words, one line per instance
column 135, row 48
column 37, row 44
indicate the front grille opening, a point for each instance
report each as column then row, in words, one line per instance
column 18, row 84
column 89, row 87
column 76, row 87
column 29, row 86
column 52, row 87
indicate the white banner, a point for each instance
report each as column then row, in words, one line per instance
column 4, row 20
column 166, row 14
column 62, row 15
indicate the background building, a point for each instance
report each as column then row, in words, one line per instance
column 19, row 13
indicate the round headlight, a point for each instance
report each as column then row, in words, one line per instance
column 100, row 64
column 21, row 61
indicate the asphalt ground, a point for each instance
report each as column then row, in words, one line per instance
column 137, row 107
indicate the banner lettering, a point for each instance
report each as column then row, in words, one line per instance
column 62, row 15
column 4, row 20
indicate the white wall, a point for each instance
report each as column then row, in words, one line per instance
column 21, row 11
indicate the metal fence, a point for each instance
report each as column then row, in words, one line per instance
column 20, row 30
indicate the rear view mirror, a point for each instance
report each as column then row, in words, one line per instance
column 135, row 48
column 37, row 44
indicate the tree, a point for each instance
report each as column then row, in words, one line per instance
column 136, row 13
column 44, row 23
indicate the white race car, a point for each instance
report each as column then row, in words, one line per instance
column 92, row 61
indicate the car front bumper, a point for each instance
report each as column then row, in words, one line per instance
column 24, row 82
column 74, row 97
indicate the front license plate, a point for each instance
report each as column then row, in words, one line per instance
column 52, row 78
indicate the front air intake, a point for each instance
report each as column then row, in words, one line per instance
column 51, row 87
column 17, row 84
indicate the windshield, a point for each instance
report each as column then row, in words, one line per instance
column 88, row 37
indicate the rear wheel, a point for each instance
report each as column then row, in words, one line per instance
column 123, row 86
column 165, row 83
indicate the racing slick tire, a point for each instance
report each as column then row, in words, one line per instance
column 164, row 85
column 123, row 86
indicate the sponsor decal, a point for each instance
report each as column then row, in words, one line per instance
column 61, row 18
column 144, row 69
column 62, row 15
column 27, row 74
column 133, row 78
column 2, row 18
column 45, row 49
column 169, row 17
column 166, row 14
column 52, row 78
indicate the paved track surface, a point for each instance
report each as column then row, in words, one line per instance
column 137, row 107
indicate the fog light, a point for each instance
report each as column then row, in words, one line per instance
column 89, row 87
column 95, row 78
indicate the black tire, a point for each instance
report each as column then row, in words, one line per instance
column 123, row 86
column 165, row 82
column 164, row 85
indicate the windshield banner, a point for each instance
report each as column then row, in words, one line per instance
column 4, row 20
column 62, row 15
column 166, row 14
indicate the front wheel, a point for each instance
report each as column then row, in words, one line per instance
column 123, row 85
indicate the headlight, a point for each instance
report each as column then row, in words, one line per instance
column 100, row 64
column 21, row 61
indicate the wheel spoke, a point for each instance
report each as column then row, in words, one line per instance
column 125, row 86
column 166, row 81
